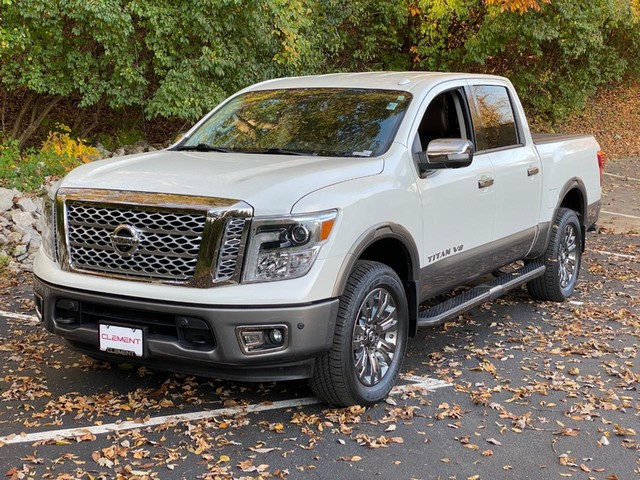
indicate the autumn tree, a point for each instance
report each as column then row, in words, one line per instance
column 179, row 59
column 556, row 52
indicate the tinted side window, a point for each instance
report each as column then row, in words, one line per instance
column 493, row 121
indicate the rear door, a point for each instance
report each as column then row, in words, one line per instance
column 501, row 133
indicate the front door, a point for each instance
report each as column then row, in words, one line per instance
column 458, row 204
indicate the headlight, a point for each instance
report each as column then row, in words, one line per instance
column 48, row 227
column 283, row 248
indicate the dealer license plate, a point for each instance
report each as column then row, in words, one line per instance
column 121, row 340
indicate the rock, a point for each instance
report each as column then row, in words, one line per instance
column 104, row 153
column 151, row 148
column 4, row 221
column 6, row 199
column 26, row 205
column 3, row 240
column 15, row 237
column 20, row 251
column 137, row 148
column 118, row 152
column 31, row 238
column 34, row 246
column 39, row 225
column 27, row 264
column 39, row 204
column 23, row 219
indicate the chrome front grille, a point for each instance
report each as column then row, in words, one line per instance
column 167, row 249
column 230, row 248
column 177, row 239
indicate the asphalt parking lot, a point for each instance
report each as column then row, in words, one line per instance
column 515, row 389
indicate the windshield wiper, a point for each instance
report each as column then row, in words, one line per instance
column 201, row 147
column 281, row 151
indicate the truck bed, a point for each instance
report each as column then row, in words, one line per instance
column 542, row 138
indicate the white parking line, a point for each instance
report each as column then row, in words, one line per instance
column 20, row 316
column 619, row 214
column 621, row 176
column 52, row 435
column 614, row 254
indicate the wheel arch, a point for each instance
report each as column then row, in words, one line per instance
column 393, row 245
column 573, row 195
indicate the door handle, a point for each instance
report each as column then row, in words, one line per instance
column 485, row 182
column 533, row 170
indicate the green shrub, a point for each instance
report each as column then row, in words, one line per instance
column 5, row 261
column 28, row 169
column 111, row 141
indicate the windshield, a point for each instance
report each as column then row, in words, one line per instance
column 315, row 121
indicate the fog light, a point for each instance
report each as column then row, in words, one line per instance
column 276, row 336
column 256, row 339
column 67, row 312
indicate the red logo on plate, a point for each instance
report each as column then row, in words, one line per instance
column 120, row 339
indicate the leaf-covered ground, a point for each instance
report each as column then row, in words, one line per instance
column 613, row 117
column 540, row 391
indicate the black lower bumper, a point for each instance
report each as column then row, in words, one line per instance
column 196, row 339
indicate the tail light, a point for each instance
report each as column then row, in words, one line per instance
column 602, row 160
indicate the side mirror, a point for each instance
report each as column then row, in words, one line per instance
column 447, row 153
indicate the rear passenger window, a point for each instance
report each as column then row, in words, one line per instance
column 493, row 119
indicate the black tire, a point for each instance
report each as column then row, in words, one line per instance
column 355, row 371
column 561, row 259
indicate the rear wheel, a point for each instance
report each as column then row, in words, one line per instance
column 562, row 259
column 369, row 342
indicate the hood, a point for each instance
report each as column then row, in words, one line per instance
column 271, row 184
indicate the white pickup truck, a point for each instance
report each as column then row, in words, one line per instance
column 306, row 227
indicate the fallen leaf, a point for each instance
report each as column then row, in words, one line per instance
column 622, row 431
column 355, row 458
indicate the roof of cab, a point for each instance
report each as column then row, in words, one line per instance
column 404, row 81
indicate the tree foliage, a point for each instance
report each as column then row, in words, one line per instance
column 173, row 58
column 179, row 58
column 557, row 53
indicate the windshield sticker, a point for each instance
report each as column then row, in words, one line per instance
column 392, row 105
column 401, row 98
column 364, row 153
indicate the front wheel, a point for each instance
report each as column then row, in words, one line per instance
column 370, row 339
column 561, row 259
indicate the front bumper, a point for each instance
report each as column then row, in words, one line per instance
column 169, row 345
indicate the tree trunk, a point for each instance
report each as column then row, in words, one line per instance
column 37, row 118
column 96, row 121
column 17, row 123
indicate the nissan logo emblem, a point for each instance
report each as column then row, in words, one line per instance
column 125, row 240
